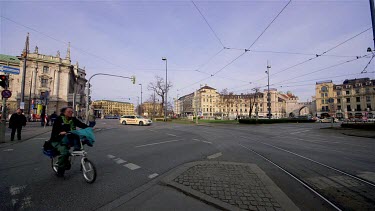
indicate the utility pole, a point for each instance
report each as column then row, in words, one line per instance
column 4, row 115
column 31, row 84
column 24, row 55
column 140, row 108
column 166, row 87
column 268, row 94
column 372, row 9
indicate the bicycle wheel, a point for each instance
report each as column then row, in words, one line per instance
column 88, row 170
column 54, row 163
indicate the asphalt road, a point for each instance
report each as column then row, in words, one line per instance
column 339, row 168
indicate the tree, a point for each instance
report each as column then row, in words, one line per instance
column 158, row 86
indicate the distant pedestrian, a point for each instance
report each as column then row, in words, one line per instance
column 16, row 122
column 53, row 117
column 92, row 118
column 42, row 118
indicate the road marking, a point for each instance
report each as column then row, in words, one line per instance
column 163, row 142
column 42, row 138
column 152, row 130
column 153, row 175
column 216, row 155
column 300, row 131
column 7, row 150
column 171, row 134
column 132, row 166
column 14, row 190
column 120, row 161
column 26, row 202
column 111, row 156
column 194, row 139
column 14, row 202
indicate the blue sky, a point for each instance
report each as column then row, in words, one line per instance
column 130, row 38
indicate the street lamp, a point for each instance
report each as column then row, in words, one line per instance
column 268, row 94
column 141, row 99
column 166, row 87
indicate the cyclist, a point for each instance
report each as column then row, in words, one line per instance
column 63, row 124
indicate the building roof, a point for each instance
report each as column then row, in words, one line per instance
column 9, row 58
column 324, row 82
column 356, row 80
column 207, row 87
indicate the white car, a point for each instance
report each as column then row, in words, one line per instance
column 327, row 120
column 134, row 120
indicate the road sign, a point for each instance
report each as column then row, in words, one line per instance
column 22, row 105
column 6, row 93
column 10, row 70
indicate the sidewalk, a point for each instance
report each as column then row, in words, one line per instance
column 208, row 185
column 31, row 130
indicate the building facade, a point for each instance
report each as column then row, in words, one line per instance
column 51, row 83
column 207, row 102
column 354, row 98
column 109, row 107
column 152, row 109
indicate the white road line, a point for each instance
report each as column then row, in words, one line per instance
column 120, row 161
column 152, row 130
column 163, row 142
column 171, row 134
column 26, row 202
column 216, row 155
column 42, row 138
column 7, row 150
column 207, row 142
column 14, row 190
column 300, row 131
column 111, row 156
column 153, row 175
column 132, row 166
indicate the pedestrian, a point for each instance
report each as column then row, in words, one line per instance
column 53, row 117
column 16, row 122
column 42, row 118
column 92, row 118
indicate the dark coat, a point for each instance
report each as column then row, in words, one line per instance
column 59, row 126
column 17, row 120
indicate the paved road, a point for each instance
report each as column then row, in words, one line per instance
column 295, row 156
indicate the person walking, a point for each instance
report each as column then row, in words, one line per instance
column 53, row 117
column 92, row 118
column 16, row 122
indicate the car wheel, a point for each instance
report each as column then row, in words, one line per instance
column 123, row 122
column 140, row 123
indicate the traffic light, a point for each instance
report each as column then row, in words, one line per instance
column 133, row 79
column 3, row 81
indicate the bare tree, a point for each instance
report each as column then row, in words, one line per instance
column 158, row 86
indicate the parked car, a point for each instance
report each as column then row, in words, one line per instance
column 327, row 120
column 111, row 117
column 134, row 120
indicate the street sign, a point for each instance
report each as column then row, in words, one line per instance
column 6, row 93
column 22, row 105
column 10, row 70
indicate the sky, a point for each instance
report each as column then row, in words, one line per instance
column 131, row 37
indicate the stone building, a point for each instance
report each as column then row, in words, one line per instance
column 109, row 108
column 354, row 98
column 51, row 77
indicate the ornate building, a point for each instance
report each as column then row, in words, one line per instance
column 51, row 83
column 109, row 107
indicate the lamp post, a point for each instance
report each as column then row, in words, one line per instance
column 166, row 87
column 268, row 94
column 141, row 99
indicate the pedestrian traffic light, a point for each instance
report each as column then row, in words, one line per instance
column 3, row 81
column 133, row 79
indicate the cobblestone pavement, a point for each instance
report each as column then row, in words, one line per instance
column 239, row 185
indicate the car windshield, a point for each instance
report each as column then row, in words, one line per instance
column 195, row 104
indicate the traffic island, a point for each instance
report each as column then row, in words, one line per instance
column 229, row 186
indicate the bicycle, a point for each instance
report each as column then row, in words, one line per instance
column 87, row 167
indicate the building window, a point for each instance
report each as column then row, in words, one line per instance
column 358, row 99
column 357, row 91
column 358, row 108
column 45, row 70
column 326, row 94
column 369, row 106
column 368, row 98
column 338, row 93
column 367, row 90
column 324, row 89
column 348, row 108
column 338, row 107
column 348, row 100
column 322, row 94
column 347, row 92
column 44, row 82
column 338, row 100
column 322, row 101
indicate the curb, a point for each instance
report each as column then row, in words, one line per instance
column 362, row 136
column 6, row 144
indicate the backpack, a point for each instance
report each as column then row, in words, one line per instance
column 49, row 150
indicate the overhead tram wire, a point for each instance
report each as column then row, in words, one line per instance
column 212, row 75
column 63, row 42
column 365, row 69
column 217, row 37
column 335, row 65
column 317, row 55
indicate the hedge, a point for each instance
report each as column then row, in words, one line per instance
column 272, row 121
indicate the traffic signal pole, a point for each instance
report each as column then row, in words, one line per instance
column 4, row 114
column 88, row 90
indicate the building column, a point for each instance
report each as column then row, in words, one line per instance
column 56, row 84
